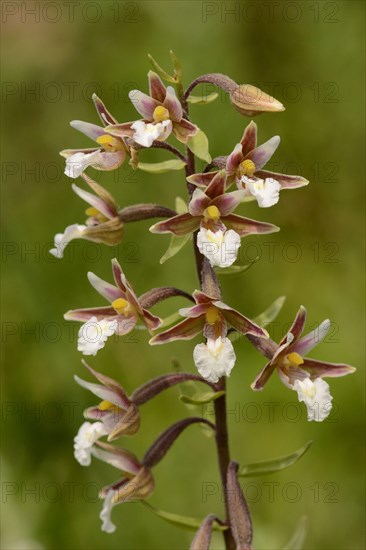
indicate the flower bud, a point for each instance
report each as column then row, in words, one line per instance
column 240, row 521
column 250, row 101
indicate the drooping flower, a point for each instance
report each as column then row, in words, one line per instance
column 103, row 224
column 214, row 359
column 120, row 317
column 116, row 411
column 220, row 230
column 299, row 373
column 162, row 115
column 110, row 153
column 137, row 482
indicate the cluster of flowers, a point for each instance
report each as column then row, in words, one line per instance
column 217, row 232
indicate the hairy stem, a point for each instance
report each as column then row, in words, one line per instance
column 190, row 169
column 171, row 148
column 222, row 444
column 220, row 80
column 222, row 440
column 138, row 212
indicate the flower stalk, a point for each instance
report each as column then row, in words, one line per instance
column 208, row 217
column 208, row 282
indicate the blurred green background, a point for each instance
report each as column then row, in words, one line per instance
column 306, row 54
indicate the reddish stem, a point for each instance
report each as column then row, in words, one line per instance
column 222, row 440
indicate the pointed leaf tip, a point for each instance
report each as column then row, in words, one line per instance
column 161, row 167
column 270, row 314
column 181, row 521
column 201, row 398
column 161, row 72
column 274, row 465
column 175, row 245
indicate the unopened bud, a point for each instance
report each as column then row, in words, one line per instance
column 250, row 101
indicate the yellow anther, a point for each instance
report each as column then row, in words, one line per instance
column 247, row 168
column 295, row 358
column 91, row 211
column 110, row 143
column 212, row 315
column 105, row 139
column 160, row 113
column 94, row 213
column 212, row 213
column 121, row 306
column 105, row 405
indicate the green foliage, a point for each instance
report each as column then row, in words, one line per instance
column 161, row 167
column 274, row 465
column 184, row 522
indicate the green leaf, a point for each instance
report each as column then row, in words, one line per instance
column 201, row 398
column 203, row 99
column 275, row 465
column 298, row 538
column 270, row 313
column 198, row 144
column 181, row 206
column 166, row 76
column 181, row 521
column 235, row 269
column 160, row 167
column 175, row 245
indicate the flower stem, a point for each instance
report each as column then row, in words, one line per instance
column 222, row 440
column 223, row 453
column 163, row 145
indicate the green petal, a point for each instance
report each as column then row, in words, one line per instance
column 175, row 245
column 201, row 398
column 203, row 99
column 161, row 167
column 198, row 144
column 298, row 538
column 274, row 465
column 181, row 521
column 270, row 314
